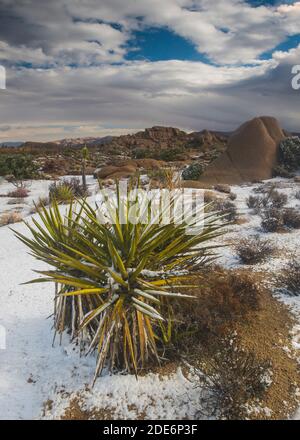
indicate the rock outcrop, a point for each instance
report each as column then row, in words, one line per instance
column 251, row 155
column 126, row 168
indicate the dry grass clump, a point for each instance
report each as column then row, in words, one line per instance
column 291, row 218
column 272, row 199
column 221, row 298
column 233, row 375
column 272, row 220
column 276, row 220
column 10, row 218
column 19, row 193
column 228, row 209
column 254, row 250
column 289, row 278
column 234, row 378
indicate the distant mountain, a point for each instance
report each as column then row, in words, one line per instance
column 79, row 142
column 11, row 144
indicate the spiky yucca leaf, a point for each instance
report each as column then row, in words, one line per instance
column 115, row 278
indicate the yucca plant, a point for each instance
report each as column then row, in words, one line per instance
column 61, row 192
column 117, row 268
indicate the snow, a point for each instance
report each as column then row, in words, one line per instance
column 32, row 371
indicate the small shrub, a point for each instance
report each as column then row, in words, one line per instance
column 172, row 154
column 66, row 190
column 193, row 172
column 254, row 250
column 291, row 218
column 297, row 195
column 19, row 193
column 281, row 171
column 226, row 208
column 235, row 379
column 232, row 196
column 275, row 199
column 289, row 278
column 272, row 220
column 10, row 218
column 254, row 202
column 289, row 153
column 222, row 297
column 20, row 166
column 272, row 199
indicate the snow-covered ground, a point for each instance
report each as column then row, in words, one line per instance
column 33, row 372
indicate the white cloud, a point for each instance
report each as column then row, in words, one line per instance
column 228, row 31
column 104, row 94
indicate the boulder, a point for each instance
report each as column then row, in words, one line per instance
column 251, row 155
column 109, row 171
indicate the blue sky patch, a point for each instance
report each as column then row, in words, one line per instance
column 161, row 44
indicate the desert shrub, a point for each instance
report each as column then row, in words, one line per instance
column 193, row 171
column 272, row 220
column 289, row 153
column 272, row 199
column 172, row 154
column 232, row 196
column 142, row 153
column 297, row 195
column 20, row 166
column 281, row 171
column 19, row 193
column 289, row 278
column 291, row 218
column 66, row 190
column 254, row 202
column 234, row 379
column 275, row 199
column 10, row 218
column 222, row 298
column 115, row 275
column 225, row 208
column 254, row 250
column 260, row 189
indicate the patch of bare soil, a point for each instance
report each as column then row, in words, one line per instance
column 267, row 334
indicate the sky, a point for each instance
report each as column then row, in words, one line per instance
column 77, row 68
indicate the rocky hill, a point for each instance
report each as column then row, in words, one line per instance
column 153, row 140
